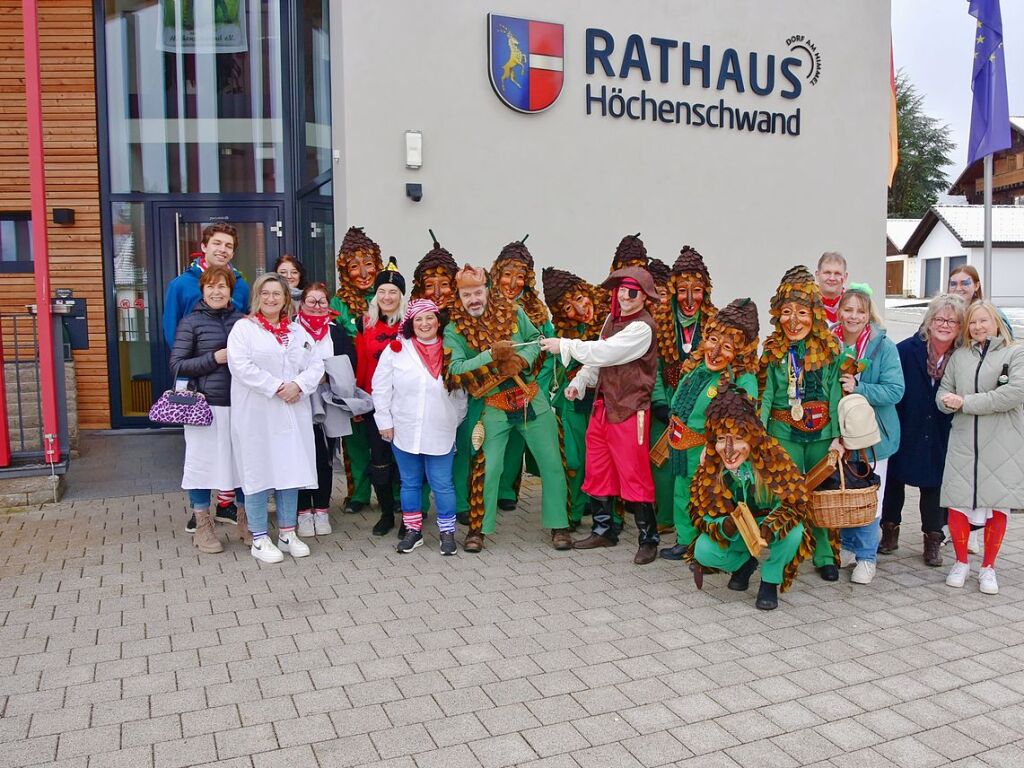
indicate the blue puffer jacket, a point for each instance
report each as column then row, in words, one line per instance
column 882, row 385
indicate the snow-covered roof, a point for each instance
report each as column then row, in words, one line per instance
column 899, row 231
column 1017, row 123
column 967, row 223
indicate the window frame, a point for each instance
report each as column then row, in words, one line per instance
column 19, row 267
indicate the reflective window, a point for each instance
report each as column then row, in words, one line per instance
column 316, row 73
column 194, row 95
column 131, row 301
column 15, row 242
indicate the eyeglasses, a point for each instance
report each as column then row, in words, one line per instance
column 315, row 302
column 945, row 321
column 961, row 283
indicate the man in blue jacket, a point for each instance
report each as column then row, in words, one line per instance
column 217, row 248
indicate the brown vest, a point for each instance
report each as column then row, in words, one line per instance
column 627, row 388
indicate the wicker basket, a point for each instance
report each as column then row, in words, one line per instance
column 845, row 507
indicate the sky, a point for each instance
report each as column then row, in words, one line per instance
column 933, row 42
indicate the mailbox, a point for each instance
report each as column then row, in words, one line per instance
column 73, row 317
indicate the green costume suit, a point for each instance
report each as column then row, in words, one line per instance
column 356, row 445
column 731, row 558
column 805, row 448
column 689, row 405
column 537, row 426
column 575, row 416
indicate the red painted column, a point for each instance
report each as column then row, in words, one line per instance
column 40, row 245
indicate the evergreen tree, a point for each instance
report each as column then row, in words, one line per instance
column 924, row 153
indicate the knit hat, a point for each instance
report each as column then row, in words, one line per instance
column 470, row 277
column 557, row 283
column 659, row 271
column 390, row 276
column 690, row 262
column 418, row 307
column 630, row 252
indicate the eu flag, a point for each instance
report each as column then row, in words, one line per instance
column 990, row 114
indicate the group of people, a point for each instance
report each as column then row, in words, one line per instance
column 638, row 395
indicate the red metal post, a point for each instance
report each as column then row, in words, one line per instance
column 40, row 245
column 5, row 433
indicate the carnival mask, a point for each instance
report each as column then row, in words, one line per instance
column 579, row 308
column 512, row 279
column 733, row 449
column 439, row 288
column 689, row 293
column 719, row 351
column 361, row 269
column 662, row 292
column 796, row 320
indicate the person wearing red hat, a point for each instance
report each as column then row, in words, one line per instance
column 622, row 367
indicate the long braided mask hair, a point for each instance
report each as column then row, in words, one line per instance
column 355, row 241
column 737, row 321
column 798, row 286
column 733, row 412
column 529, row 300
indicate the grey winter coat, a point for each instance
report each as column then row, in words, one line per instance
column 985, row 460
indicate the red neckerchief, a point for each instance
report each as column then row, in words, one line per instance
column 317, row 326
column 201, row 261
column 279, row 331
column 432, row 355
column 832, row 307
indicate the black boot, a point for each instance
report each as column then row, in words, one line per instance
column 767, row 597
column 740, row 580
column 386, row 499
column 647, row 531
column 603, row 532
column 675, row 552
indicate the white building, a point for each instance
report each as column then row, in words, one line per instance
column 951, row 235
column 901, row 273
column 649, row 133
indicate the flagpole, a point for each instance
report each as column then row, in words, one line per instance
column 986, row 274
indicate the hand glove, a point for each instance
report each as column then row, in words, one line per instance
column 729, row 526
column 766, row 533
column 660, row 412
column 506, row 360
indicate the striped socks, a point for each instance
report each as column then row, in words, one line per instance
column 446, row 524
column 413, row 520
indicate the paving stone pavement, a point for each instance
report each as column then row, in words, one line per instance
column 122, row 646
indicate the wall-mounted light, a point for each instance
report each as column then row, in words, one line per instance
column 413, row 149
column 415, row 191
column 63, row 215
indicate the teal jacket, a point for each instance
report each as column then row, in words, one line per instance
column 882, row 386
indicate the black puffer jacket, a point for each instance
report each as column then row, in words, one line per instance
column 201, row 333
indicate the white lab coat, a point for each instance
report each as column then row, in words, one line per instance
column 272, row 440
column 417, row 406
column 627, row 345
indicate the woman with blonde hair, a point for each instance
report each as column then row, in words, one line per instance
column 924, row 429
column 374, row 332
column 274, row 368
column 871, row 367
column 983, row 387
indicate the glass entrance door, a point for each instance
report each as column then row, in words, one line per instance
column 142, row 351
column 317, row 249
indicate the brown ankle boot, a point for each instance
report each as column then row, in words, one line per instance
column 646, row 553
column 205, row 537
column 242, row 528
column 933, row 548
column 890, row 541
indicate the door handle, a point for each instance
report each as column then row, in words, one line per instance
column 277, row 228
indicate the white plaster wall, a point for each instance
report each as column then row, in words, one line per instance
column 752, row 204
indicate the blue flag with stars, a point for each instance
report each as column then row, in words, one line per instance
column 990, row 114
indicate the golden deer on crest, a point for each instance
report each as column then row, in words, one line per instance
column 516, row 58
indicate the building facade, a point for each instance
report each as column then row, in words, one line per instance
column 759, row 137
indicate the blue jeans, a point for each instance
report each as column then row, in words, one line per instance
column 287, row 509
column 199, row 498
column 438, row 470
column 862, row 541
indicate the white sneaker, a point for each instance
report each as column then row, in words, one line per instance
column 972, row 543
column 293, row 545
column 322, row 523
column 846, row 558
column 864, row 572
column 987, row 581
column 263, row 549
column 306, row 525
column 958, row 574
